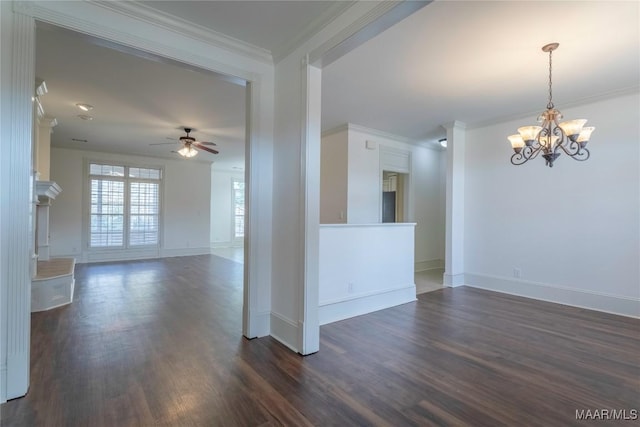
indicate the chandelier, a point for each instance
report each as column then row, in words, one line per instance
column 551, row 138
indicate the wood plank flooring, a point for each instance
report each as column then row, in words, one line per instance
column 158, row 343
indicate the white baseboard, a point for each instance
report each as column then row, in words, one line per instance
column 284, row 330
column 135, row 254
column 169, row 253
column 453, row 280
column 259, row 324
column 428, row 265
column 561, row 295
column 218, row 245
column 332, row 311
column 3, row 383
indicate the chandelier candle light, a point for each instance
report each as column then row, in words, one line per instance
column 571, row 136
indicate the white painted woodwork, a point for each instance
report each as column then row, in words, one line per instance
column 454, row 242
column 293, row 242
column 17, row 199
column 53, row 286
column 46, row 192
column 364, row 267
column 309, row 328
column 43, row 147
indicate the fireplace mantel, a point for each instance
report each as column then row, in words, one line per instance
column 47, row 190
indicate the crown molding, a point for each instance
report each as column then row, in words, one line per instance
column 311, row 29
column 382, row 16
column 531, row 115
column 186, row 28
column 370, row 131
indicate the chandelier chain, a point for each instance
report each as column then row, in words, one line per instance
column 550, row 104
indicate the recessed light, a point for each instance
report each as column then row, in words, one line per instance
column 84, row 107
column 85, row 117
column 443, row 142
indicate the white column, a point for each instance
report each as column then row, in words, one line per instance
column 256, row 307
column 454, row 244
column 16, row 207
column 43, row 146
column 309, row 323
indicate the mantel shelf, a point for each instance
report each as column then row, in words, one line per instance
column 47, row 189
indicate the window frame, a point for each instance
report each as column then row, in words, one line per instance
column 234, row 237
column 127, row 180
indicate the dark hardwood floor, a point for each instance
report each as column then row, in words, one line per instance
column 159, row 342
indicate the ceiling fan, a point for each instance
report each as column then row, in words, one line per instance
column 190, row 145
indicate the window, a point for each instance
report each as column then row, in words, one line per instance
column 238, row 208
column 125, row 206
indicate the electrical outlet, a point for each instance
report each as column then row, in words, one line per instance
column 350, row 288
column 517, row 273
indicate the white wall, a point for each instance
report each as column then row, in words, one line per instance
column 185, row 202
column 427, row 197
column 222, row 226
column 333, row 178
column 572, row 230
column 364, row 268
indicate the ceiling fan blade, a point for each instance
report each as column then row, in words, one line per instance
column 163, row 143
column 202, row 147
column 206, row 143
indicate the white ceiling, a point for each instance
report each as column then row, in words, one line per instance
column 475, row 61
column 479, row 62
column 137, row 101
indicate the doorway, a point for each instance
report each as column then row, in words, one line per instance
column 394, row 196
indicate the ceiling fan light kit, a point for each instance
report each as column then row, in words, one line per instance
column 190, row 146
column 551, row 138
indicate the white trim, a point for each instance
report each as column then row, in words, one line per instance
column 261, row 323
column 311, row 29
column 169, row 253
column 3, row 384
column 577, row 103
column 216, row 245
column 430, row 264
column 180, row 26
column 308, row 327
column 52, row 292
column 284, row 330
column 453, row 280
column 375, row 224
column 608, row 303
column 377, row 19
column 344, row 308
column 136, row 254
column 18, row 203
column 370, row 131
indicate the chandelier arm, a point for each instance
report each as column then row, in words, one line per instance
column 525, row 155
column 535, row 150
column 579, row 154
